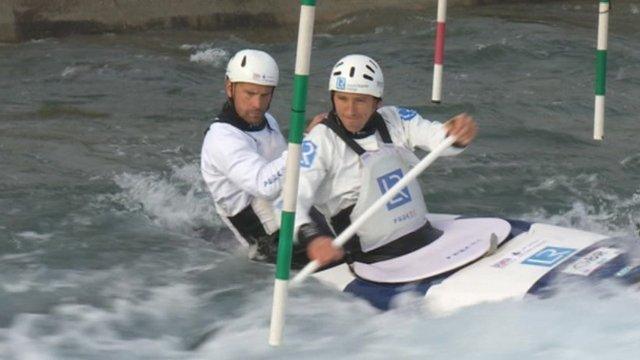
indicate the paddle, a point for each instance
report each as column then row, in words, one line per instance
column 351, row 229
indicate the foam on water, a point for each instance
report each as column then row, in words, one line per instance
column 593, row 208
column 70, row 331
column 341, row 329
column 216, row 57
column 70, row 71
column 32, row 235
column 201, row 46
column 177, row 201
column 321, row 327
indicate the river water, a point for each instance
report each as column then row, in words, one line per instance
column 110, row 247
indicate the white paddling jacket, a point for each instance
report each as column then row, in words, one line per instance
column 331, row 173
column 243, row 168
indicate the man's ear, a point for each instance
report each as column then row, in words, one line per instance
column 378, row 103
column 228, row 88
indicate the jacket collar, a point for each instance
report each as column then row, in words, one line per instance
column 229, row 115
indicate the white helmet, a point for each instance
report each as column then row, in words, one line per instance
column 357, row 74
column 253, row 66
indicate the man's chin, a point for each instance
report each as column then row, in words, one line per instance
column 254, row 119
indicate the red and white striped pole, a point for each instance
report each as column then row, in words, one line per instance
column 438, row 57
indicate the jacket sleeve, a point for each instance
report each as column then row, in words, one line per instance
column 237, row 157
column 418, row 131
column 314, row 167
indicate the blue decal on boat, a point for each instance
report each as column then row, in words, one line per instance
column 549, row 256
column 617, row 269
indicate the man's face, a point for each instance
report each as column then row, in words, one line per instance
column 354, row 109
column 250, row 100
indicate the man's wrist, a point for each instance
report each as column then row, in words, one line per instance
column 309, row 231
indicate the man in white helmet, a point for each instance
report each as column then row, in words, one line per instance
column 358, row 152
column 243, row 156
column 243, row 153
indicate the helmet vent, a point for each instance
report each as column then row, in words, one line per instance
column 337, row 73
column 370, row 69
column 352, row 71
column 372, row 63
column 367, row 77
column 244, row 61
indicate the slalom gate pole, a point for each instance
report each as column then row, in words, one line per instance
column 290, row 190
column 438, row 57
column 601, row 69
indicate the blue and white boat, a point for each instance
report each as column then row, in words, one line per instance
column 501, row 260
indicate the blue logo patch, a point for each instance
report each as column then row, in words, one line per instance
column 341, row 83
column 308, row 153
column 549, row 256
column 407, row 114
column 386, row 181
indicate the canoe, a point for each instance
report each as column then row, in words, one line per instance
column 531, row 259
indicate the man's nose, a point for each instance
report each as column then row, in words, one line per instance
column 351, row 107
column 255, row 102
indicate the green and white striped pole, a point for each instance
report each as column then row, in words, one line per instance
column 290, row 191
column 601, row 69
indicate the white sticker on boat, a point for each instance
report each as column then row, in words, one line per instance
column 587, row 264
column 527, row 248
column 518, row 254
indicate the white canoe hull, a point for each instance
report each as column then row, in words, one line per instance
column 533, row 257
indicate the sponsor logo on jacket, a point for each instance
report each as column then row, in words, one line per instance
column 308, row 150
column 386, row 181
column 406, row 114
